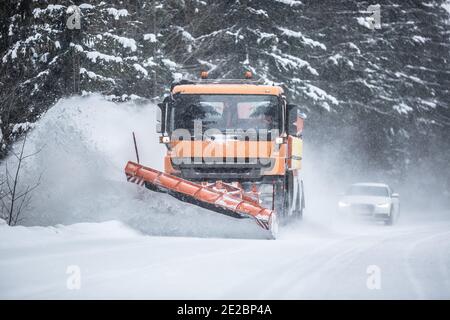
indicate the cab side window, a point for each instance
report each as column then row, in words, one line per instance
column 295, row 120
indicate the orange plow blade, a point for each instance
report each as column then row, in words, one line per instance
column 207, row 196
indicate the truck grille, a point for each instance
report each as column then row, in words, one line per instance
column 227, row 170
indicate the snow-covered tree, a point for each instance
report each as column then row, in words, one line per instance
column 383, row 93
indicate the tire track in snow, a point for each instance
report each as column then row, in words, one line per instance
column 341, row 258
column 281, row 273
column 409, row 266
column 337, row 262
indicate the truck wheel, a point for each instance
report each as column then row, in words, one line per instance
column 390, row 220
column 281, row 204
column 289, row 200
column 273, row 226
column 300, row 201
column 296, row 196
column 287, row 203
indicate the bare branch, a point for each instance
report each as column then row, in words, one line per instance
column 4, row 205
column 32, row 154
column 19, row 209
column 12, row 201
column 29, row 189
column 8, row 176
column 19, row 220
column 14, row 154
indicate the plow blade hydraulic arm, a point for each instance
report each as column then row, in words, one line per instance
column 202, row 195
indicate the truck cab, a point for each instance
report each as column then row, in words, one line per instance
column 237, row 131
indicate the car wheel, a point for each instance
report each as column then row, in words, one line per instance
column 390, row 220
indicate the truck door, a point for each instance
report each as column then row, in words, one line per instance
column 295, row 120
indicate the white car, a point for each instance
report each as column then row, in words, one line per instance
column 375, row 200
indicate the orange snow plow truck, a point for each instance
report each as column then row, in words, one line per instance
column 233, row 147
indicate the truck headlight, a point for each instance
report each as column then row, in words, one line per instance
column 343, row 204
column 383, row 205
column 279, row 140
column 164, row 139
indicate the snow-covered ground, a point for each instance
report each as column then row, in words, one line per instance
column 125, row 242
column 308, row 261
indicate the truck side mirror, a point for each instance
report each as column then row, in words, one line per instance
column 160, row 117
column 158, row 120
column 295, row 120
column 395, row 195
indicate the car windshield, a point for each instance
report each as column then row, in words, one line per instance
column 224, row 112
column 367, row 191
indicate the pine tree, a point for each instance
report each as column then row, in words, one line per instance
column 383, row 93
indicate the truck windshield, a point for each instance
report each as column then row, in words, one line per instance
column 368, row 191
column 225, row 112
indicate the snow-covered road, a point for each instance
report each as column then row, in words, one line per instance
column 162, row 248
column 308, row 261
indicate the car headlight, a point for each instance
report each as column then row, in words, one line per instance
column 343, row 204
column 383, row 205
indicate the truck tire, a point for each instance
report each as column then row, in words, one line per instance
column 296, row 196
column 288, row 199
column 301, row 201
column 281, row 204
